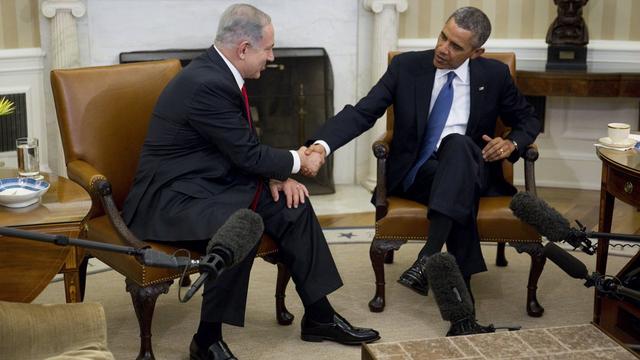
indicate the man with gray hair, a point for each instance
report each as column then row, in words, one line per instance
column 443, row 153
column 202, row 161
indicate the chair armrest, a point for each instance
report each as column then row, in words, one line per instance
column 102, row 186
column 82, row 173
column 530, row 156
column 102, row 202
column 381, row 149
column 381, row 146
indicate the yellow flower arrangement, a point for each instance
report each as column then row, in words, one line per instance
column 6, row 107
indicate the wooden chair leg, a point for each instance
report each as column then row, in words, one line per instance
column 377, row 255
column 283, row 315
column 534, row 309
column 144, row 303
column 82, row 274
column 388, row 257
column 501, row 259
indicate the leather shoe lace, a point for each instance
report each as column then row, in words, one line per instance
column 415, row 277
column 339, row 330
column 217, row 351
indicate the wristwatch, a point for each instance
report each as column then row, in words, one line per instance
column 515, row 144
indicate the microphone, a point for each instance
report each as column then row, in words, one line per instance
column 578, row 270
column 229, row 246
column 452, row 295
column 549, row 222
column 155, row 258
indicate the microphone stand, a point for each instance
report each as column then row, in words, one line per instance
column 579, row 238
column 63, row 240
column 146, row 256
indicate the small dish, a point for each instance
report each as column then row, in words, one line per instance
column 21, row 192
column 627, row 143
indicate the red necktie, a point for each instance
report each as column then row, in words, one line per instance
column 256, row 196
column 246, row 106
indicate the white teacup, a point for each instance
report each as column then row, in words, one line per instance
column 618, row 132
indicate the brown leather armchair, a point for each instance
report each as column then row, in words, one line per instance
column 399, row 220
column 103, row 115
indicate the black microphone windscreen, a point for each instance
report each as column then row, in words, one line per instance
column 567, row 262
column 239, row 234
column 537, row 213
column 448, row 287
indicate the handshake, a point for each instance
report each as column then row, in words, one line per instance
column 311, row 159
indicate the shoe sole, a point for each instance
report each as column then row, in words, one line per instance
column 318, row 338
column 417, row 291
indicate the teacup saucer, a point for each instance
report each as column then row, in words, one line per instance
column 628, row 142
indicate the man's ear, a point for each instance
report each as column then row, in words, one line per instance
column 241, row 50
column 477, row 53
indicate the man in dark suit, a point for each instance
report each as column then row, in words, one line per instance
column 443, row 155
column 201, row 161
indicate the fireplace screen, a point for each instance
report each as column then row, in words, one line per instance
column 13, row 126
column 292, row 98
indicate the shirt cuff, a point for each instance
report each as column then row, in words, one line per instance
column 296, row 161
column 324, row 145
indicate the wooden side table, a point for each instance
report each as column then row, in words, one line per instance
column 599, row 80
column 620, row 180
column 27, row 266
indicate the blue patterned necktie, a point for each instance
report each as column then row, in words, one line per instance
column 435, row 125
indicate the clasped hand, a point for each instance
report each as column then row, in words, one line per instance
column 497, row 148
column 294, row 191
column 311, row 159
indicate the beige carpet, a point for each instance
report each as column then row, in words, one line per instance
column 500, row 299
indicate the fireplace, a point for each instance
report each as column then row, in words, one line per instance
column 13, row 126
column 292, row 98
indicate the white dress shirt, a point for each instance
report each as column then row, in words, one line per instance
column 240, row 82
column 460, row 107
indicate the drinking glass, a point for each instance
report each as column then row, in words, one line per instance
column 28, row 157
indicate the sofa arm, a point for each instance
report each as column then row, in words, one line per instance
column 57, row 331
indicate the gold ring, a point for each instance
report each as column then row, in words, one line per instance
column 501, row 151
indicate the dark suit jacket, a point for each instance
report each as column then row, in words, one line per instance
column 200, row 162
column 407, row 84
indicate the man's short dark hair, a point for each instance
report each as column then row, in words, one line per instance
column 474, row 20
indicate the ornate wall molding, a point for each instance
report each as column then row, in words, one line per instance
column 376, row 6
column 51, row 7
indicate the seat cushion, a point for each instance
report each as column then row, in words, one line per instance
column 407, row 220
column 53, row 331
column 100, row 229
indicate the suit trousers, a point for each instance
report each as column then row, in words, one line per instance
column 450, row 183
column 301, row 247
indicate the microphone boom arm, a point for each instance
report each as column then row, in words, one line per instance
column 63, row 240
column 579, row 238
column 146, row 256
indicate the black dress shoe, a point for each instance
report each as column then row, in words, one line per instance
column 217, row 351
column 469, row 326
column 415, row 277
column 339, row 330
